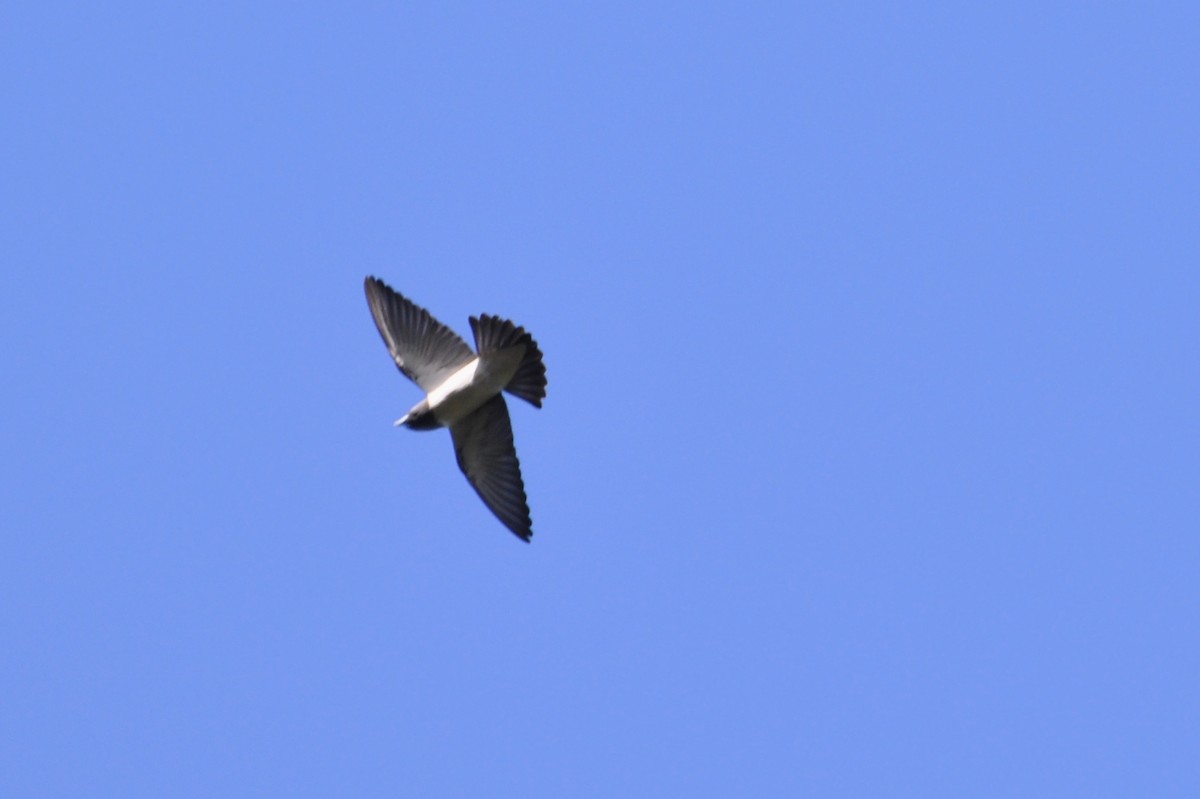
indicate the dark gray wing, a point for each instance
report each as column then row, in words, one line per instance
column 425, row 350
column 483, row 444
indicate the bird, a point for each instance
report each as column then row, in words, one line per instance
column 464, row 391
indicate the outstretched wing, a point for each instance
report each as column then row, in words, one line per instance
column 483, row 444
column 425, row 350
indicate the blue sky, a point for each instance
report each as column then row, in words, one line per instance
column 870, row 458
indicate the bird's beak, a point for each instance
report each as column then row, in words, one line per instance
column 399, row 422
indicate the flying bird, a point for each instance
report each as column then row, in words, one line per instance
column 463, row 391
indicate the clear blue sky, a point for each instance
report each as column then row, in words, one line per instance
column 870, row 461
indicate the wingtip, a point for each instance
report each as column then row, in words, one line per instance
column 521, row 528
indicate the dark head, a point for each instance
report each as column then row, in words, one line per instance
column 420, row 418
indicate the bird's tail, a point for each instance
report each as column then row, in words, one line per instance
column 493, row 333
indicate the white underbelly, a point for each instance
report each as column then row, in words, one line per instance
column 474, row 384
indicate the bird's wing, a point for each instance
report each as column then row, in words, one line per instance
column 483, row 444
column 425, row 350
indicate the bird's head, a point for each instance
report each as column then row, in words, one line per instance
column 419, row 418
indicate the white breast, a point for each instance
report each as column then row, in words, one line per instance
column 474, row 384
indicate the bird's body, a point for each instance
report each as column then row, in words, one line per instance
column 474, row 384
column 463, row 392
